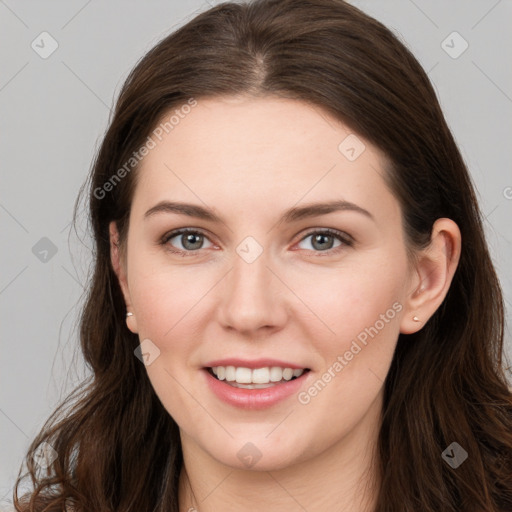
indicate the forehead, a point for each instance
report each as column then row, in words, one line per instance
column 236, row 130
column 261, row 153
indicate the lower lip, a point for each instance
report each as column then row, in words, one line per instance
column 254, row 398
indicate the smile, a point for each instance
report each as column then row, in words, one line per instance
column 255, row 388
column 257, row 378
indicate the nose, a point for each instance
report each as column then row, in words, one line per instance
column 252, row 297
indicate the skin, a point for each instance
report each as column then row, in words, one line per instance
column 249, row 159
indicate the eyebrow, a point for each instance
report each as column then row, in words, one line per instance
column 291, row 215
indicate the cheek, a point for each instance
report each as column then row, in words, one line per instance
column 168, row 305
column 336, row 304
column 165, row 297
column 349, row 302
column 362, row 308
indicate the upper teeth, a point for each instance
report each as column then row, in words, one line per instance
column 257, row 376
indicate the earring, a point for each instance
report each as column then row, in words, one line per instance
column 129, row 314
column 415, row 318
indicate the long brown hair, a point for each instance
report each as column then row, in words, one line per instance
column 117, row 448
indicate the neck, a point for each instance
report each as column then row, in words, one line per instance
column 343, row 477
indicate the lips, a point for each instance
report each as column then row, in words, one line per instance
column 254, row 384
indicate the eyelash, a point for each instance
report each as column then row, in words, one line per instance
column 347, row 240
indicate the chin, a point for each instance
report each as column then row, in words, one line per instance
column 255, row 453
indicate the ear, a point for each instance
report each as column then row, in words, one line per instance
column 434, row 273
column 119, row 266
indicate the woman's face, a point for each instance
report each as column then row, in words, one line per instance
column 258, row 283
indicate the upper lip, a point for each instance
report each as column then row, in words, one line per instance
column 255, row 363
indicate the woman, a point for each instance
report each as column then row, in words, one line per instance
column 293, row 305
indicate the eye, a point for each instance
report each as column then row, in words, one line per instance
column 190, row 240
column 323, row 240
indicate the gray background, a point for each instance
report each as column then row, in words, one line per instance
column 55, row 110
